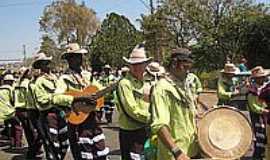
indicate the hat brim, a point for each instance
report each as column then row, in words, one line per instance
column 265, row 74
column 222, row 71
column 159, row 73
column 75, row 52
column 145, row 60
column 36, row 64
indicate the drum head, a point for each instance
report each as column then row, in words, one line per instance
column 224, row 133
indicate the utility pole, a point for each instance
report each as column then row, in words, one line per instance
column 24, row 54
column 152, row 7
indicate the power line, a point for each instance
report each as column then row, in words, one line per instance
column 21, row 4
column 146, row 5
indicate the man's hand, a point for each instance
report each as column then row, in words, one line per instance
column 236, row 92
column 182, row 157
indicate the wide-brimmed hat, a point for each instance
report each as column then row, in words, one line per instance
column 138, row 55
column 155, row 69
column 73, row 48
column 229, row 68
column 259, row 72
column 125, row 69
column 40, row 57
column 23, row 71
column 107, row 66
column 182, row 54
column 9, row 77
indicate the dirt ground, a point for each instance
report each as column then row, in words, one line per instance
column 111, row 132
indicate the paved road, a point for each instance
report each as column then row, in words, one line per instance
column 111, row 132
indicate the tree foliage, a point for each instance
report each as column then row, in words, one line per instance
column 49, row 47
column 115, row 39
column 68, row 21
column 213, row 29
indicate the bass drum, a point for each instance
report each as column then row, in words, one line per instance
column 224, row 133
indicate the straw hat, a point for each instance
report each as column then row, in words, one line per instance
column 229, row 68
column 9, row 77
column 40, row 57
column 221, row 137
column 23, row 70
column 125, row 69
column 73, row 48
column 107, row 66
column 259, row 72
column 138, row 55
column 155, row 69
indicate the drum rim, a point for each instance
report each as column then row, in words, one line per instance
column 232, row 109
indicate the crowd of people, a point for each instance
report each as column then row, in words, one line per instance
column 157, row 106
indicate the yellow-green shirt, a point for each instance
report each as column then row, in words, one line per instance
column 130, row 92
column 23, row 97
column 46, row 96
column 171, row 107
column 6, row 100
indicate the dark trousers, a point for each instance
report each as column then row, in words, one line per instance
column 132, row 143
column 87, row 140
column 28, row 118
column 56, row 135
column 108, row 109
column 259, row 130
column 16, row 132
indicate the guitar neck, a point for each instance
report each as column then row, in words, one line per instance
column 106, row 90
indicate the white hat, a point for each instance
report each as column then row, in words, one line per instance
column 39, row 58
column 73, row 48
column 125, row 69
column 107, row 66
column 229, row 68
column 138, row 55
column 155, row 69
column 9, row 77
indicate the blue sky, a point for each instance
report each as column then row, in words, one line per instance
column 19, row 21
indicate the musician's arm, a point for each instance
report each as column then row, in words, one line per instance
column 255, row 105
column 222, row 93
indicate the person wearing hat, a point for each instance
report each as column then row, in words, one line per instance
column 27, row 113
column 257, row 110
column 106, row 80
column 133, row 110
column 7, row 114
column 226, row 83
column 51, row 105
column 172, row 114
column 87, row 140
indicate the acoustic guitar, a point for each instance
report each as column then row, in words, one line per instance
column 83, row 109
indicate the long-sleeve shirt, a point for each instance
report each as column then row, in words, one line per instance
column 23, row 95
column 6, row 102
column 225, row 90
column 171, row 107
column 47, row 97
column 130, row 91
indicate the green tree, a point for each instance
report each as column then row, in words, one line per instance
column 49, row 47
column 115, row 39
column 68, row 21
column 156, row 34
column 212, row 28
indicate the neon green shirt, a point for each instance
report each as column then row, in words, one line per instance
column 171, row 107
column 46, row 96
column 131, row 96
column 6, row 99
